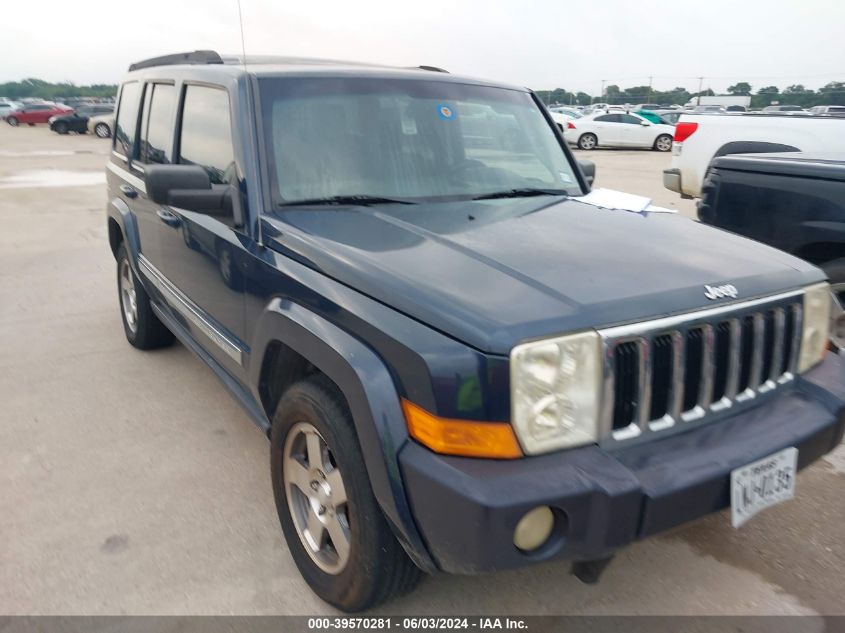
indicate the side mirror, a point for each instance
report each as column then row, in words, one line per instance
column 588, row 169
column 188, row 187
column 645, row 123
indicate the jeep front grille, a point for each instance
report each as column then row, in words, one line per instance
column 680, row 370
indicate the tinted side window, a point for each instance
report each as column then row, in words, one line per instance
column 157, row 124
column 127, row 118
column 206, row 137
column 609, row 118
column 627, row 118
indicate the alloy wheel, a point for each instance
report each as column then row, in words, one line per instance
column 664, row 143
column 316, row 498
column 128, row 298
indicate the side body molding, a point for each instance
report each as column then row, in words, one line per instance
column 373, row 401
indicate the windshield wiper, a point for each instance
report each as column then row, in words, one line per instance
column 362, row 200
column 521, row 193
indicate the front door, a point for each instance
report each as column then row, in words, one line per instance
column 637, row 132
column 202, row 255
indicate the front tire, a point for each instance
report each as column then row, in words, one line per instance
column 60, row 128
column 102, row 130
column 142, row 327
column 588, row 141
column 662, row 143
column 335, row 531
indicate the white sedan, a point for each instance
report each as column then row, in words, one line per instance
column 617, row 129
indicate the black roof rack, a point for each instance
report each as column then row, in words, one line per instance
column 434, row 69
column 195, row 57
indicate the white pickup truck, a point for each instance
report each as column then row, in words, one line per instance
column 701, row 137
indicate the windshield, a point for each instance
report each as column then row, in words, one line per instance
column 406, row 139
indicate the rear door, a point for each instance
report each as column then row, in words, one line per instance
column 202, row 255
column 155, row 146
column 607, row 129
column 126, row 177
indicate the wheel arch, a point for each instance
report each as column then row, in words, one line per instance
column 292, row 342
column 122, row 227
column 752, row 147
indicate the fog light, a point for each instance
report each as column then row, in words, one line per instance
column 534, row 529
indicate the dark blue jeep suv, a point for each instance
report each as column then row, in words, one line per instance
column 462, row 360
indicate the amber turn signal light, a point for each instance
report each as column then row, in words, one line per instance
column 461, row 437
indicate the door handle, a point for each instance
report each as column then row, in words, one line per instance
column 128, row 191
column 169, row 218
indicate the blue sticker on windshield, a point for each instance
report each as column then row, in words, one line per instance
column 445, row 112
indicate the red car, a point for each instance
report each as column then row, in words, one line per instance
column 33, row 113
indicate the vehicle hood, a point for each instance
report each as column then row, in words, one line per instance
column 493, row 273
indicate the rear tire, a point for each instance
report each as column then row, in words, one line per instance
column 142, row 327
column 13, row 121
column 314, row 449
column 102, row 130
column 588, row 141
column 662, row 143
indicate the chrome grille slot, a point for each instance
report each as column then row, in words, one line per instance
column 768, row 344
column 692, row 381
column 791, row 338
column 677, row 371
column 722, row 359
column 661, row 376
column 626, row 392
column 746, row 352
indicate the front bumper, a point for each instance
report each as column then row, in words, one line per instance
column 467, row 509
column 672, row 180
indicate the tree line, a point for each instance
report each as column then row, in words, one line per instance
column 831, row 94
column 38, row 88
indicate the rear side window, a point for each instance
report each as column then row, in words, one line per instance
column 609, row 118
column 206, row 137
column 627, row 118
column 157, row 124
column 127, row 118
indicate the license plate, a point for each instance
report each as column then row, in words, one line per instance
column 757, row 486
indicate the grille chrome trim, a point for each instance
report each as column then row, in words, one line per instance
column 766, row 322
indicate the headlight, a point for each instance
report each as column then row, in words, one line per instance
column 555, row 387
column 816, row 327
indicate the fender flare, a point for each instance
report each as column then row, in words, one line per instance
column 119, row 211
column 371, row 394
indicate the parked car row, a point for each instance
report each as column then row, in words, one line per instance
column 77, row 120
column 97, row 118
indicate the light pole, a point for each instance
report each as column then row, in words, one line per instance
column 650, row 78
column 700, row 80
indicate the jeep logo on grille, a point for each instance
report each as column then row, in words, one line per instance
column 720, row 292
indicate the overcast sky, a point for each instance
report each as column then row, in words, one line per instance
column 537, row 43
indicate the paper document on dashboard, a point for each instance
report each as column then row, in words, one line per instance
column 610, row 199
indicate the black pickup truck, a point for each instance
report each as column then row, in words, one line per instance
column 794, row 201
column 462, row 361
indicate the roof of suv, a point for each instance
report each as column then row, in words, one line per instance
column 270, row 66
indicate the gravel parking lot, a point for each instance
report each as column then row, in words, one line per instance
column 131, row 483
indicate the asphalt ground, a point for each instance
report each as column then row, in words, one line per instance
column 131, row 482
